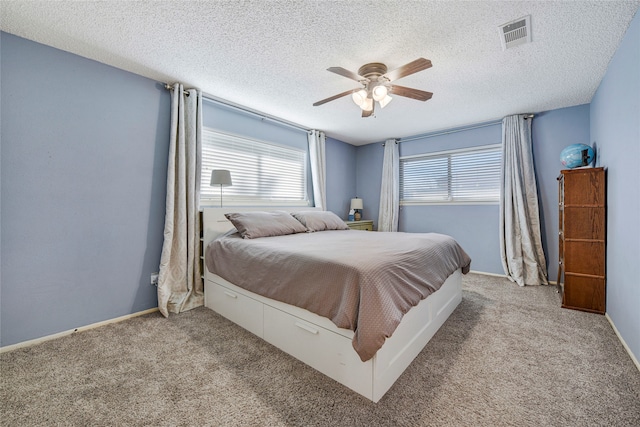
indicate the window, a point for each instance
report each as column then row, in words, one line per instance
column 457, row 176
column 262, row 173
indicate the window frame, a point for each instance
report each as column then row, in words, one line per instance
column 448, row 154
column 231, row 200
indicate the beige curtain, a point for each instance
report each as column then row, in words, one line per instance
column 390, row 188
column 317, row 157
column 180, row 286
column 520, row 241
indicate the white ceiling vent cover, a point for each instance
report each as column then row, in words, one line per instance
column 515, row 33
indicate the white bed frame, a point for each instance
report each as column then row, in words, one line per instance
column 315, row 340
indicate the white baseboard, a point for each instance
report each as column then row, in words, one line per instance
column 73, row 331
column 624, row 344
column 487, row 274
column 551, row 282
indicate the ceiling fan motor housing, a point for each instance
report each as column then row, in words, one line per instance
column 372, row 70
column 373, row 73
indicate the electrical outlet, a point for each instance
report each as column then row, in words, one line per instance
column 154, row 279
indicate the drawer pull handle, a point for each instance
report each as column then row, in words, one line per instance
column 229, row 294
column 306, row 328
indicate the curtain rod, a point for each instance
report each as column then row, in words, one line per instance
column 446, row 132
column 262, row 116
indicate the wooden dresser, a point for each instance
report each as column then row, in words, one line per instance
column 582, row 238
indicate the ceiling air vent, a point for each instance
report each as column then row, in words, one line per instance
column 516, row 32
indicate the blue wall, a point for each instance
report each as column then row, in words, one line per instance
column 231, row 120
column 341, row 176
column 615, row 130
column 476, row 226
column 369, row 178
column 84, row 159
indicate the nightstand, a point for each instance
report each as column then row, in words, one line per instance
column 365, row 224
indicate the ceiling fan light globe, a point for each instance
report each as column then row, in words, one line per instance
column 367, row 105
column 379, row 92
column 384, row 101
column 359, row 97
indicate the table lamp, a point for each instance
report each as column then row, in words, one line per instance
column 356, row 206
column 222, row 178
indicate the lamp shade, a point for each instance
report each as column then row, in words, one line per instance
column 220, row 177
column 356, row 203
column 359, row 97
column 379, row 92
column 384, row 101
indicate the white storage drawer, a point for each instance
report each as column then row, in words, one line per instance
column 324, row 350
column 238, row 308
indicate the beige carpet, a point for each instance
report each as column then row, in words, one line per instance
column 508, row 356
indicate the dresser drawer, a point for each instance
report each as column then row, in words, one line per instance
column 361, row 225
column 584, row 293
column 238, row 308
column 328, row 352
column 584, row 257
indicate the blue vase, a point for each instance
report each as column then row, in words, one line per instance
column 576, row 155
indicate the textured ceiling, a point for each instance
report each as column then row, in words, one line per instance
column 272, row 56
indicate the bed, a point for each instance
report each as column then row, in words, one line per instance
column 333, row 317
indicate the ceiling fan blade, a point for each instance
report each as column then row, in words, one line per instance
column 408, row 92
column 408, row 69
column 346, row 73
column 340, row 95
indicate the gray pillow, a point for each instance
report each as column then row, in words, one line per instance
column 251, row 225
column 320, row 220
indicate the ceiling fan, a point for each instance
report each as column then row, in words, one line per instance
column 376, row 84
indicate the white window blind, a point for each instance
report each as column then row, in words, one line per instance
column 262, row 173
column 457, row 176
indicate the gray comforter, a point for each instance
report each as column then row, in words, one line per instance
column 363, row 281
